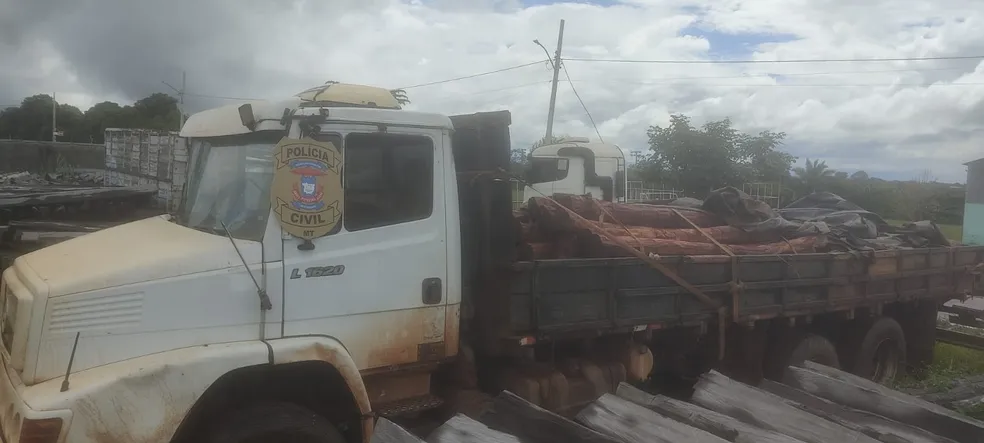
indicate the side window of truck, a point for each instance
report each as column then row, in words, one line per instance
column 545, row 170
column 389, row 179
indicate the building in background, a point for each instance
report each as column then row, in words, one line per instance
column 973, row 222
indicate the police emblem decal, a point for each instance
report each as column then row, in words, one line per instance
column 306, row 193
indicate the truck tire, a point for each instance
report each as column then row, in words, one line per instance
column 815, row 348
column 274, row 421
column 792, row 349
column 881, row 353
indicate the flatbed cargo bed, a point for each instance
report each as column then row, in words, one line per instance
column 557, row 296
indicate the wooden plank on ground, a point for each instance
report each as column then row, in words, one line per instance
column 631, row 423
column 858, row 393
column 532, row 424
column 872, row 425
column 721, row 425
column 767, row 411
column 386, row 431
column 462, row 429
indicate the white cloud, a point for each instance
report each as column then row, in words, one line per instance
column 887, row 117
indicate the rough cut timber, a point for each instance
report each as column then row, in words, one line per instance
column 597, row 246
column 723, row 234
column 855, row 392
column 386, row 431
column 80, row 195
column 544, row 211
column 461, row 429
column 872, row 425
column 721, row 425
column 767, row 411
column 631, row 423
column 532, row 424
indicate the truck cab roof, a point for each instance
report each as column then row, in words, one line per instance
column 341, row 101
column 600, row 150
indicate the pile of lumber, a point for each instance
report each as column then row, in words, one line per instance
column 38, row 212
column 816, row 404
column 570, row 226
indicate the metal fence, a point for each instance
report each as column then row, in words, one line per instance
column 638, row 191
column 517, row 193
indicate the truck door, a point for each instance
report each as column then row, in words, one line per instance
column 379, row 284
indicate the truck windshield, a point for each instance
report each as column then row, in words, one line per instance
column 229, row 183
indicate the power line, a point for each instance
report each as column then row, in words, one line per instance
column 792, row 85
column 466, row 77
column 793, row 74
column 591, row 119
column 827, row 60
column 507, row 88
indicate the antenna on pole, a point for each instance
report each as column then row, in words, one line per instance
column 181, row 99
column 556, row 76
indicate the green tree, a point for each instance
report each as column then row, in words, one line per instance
column 519, row 161
column 814, row 174
column 763, row 156
column 105, row 115
column 32, row 119
column 156, row 111
column 699, row 160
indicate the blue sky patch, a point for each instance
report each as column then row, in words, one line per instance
column 731, row 46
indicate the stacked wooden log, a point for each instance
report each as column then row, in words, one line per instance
column 816, row 404
column 558, row 227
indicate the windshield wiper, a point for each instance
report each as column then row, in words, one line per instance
column 210, row 230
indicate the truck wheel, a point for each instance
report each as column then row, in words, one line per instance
column 792, row 349
column 274, row 421
column 814, row 348
column 882, row 351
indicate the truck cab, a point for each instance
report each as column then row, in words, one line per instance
column 318, row 239
column 575, row 165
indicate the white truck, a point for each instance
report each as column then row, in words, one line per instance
column 575, row 165
column 300, row 293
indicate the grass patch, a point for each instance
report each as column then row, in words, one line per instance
column 976, row 411
column 950, row 362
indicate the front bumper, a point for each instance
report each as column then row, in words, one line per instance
column 21, row 424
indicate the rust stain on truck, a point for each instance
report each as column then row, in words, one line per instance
column 104, row 422
column 398, row 343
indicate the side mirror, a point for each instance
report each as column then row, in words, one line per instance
column 246, row 116
column 563, row 164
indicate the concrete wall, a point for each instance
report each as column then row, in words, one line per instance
column 35, row 156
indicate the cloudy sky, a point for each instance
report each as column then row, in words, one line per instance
column 894, row 119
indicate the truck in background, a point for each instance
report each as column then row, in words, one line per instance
column 575, row 165
column 284, row 292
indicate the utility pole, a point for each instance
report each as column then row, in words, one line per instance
column 181, row 98
column 556, row 77
column 54, row 118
